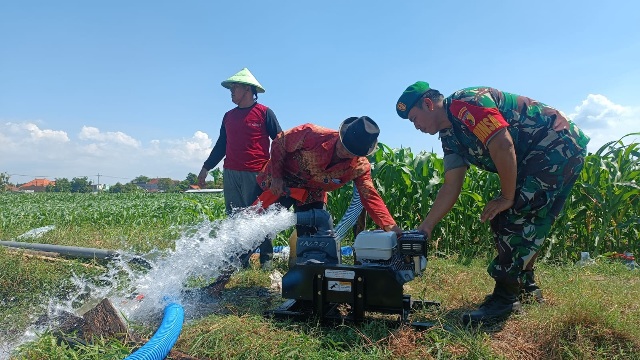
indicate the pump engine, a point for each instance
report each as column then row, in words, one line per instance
column 318, row 284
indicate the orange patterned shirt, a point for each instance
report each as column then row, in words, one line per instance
column 302, row 158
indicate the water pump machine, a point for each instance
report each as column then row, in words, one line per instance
column 319, row 284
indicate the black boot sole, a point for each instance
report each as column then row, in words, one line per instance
column 490, row 320
column 531, row 297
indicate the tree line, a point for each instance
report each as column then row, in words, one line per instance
column 139, row 184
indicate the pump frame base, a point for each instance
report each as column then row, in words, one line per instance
column 338, row 293
column 301, row 310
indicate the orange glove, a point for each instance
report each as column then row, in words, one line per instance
column 267, row 197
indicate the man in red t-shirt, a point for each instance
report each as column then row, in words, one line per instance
column 244, row 143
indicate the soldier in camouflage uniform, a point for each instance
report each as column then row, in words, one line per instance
column 537, row 153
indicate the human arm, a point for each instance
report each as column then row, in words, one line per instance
column 273, row 129
column 272, row 124
column 286, row 142
column 502, row 152
column 393, row 228
column 560, row 120
column 217, row 153
column 373, row 203
column 483, row 118
column 446, row 198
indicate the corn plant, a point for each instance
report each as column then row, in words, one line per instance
column 22, row 212
column 603, row 213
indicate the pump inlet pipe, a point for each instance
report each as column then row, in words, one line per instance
column 160, row 344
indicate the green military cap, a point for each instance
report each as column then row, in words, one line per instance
column 410, row 97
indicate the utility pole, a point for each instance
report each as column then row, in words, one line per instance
column 98, row 187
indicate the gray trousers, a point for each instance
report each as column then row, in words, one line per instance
column 241, row 190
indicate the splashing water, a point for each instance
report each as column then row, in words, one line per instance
column 202, row 252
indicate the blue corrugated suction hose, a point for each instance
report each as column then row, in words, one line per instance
column 158, row 347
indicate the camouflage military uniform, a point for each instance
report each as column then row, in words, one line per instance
column 548, row 161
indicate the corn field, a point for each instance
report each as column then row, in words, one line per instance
column 22, row 212
column 602, row 214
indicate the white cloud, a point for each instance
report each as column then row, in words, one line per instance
column 604, row 121
column 198, row 146
column 30, row 132
column 28, row 149
column 91, row 133
column 27, row 142
column 31, row 149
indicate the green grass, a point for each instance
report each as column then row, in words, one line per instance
column 592, row 313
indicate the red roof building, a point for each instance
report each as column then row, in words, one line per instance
column 36, row 185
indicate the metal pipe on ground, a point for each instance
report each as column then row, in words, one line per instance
column 74, row 251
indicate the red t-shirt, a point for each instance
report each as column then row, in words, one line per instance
column 244, row 139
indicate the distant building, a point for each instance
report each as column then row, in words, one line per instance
column 153, row 185
column 36, row 185
column 148, row 186
column 99, row 187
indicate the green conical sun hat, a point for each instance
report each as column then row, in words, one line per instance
column 243, row 76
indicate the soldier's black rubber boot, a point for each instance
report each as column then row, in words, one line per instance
column 530, row 292
column 497, row 306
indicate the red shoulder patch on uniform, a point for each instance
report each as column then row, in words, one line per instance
column 482, row 122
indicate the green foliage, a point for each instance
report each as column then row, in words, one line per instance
column 24, row 212
column 141, row 180
column 600, row 323
column 602, row 213
column 81, row 185
column 217, row 179
column 166, row 185
column 61, row 185
column 4, row 181
column 126, row 188
column 409, row 183
column 76, row 185
column 191, row 179
column 24, row 280
column 48, row 346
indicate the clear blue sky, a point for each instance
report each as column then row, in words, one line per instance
column 128, row 88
